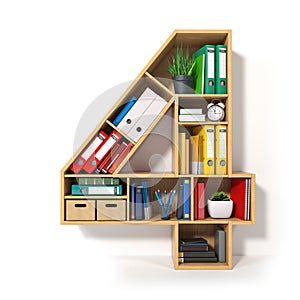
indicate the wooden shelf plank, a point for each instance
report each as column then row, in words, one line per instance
column 73, row 197
column 122, row 133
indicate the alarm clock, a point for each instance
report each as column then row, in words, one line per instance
column 216, row 111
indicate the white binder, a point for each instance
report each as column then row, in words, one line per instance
column 147, row 118
column 137, row 110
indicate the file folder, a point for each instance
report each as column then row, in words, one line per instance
column 221, row 149
column 209, row 71
column 137, row 110
column 124, row 111
column 100, row 153
column 79, row 190
column 199, row 75
column 83, row 157
column 207, row 149
column 147, row 118
column 221, row 69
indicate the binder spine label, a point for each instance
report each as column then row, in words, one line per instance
column 93, row 146
column 222, row 149
column 222, row 63
column 210, row 142
column 211, row 63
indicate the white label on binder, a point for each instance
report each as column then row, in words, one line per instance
column 222, row 62
column 210, row 142
column 211, row 62
column 222, row 134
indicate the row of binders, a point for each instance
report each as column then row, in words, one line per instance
column 138, row 114
column 205, row 151
column 103, row 155
column 211, row 69
column 105, row 152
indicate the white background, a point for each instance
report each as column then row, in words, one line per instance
column 56, row 57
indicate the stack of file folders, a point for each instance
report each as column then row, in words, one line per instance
column 195, row 250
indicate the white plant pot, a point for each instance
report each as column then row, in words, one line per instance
column 220, row 209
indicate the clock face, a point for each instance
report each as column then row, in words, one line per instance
column 215, row 113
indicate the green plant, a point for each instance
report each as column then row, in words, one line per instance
column 220, row 196
column 181, row 63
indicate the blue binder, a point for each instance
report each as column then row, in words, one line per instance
column 139, row 207
column 186, row 199
column 124, row 111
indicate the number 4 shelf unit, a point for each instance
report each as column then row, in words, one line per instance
column 160, row 144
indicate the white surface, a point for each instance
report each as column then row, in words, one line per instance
column 56, row 57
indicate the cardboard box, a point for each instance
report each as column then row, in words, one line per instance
column 111, row 210
column 80, row 210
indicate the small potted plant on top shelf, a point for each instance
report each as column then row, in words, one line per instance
column 181, row 68
column 220, row 205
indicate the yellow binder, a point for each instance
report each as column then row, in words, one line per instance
column 221, row 149
column 207, row 149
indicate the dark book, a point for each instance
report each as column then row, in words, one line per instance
column 193, row 241
column 209, row 253
column 179, row 210
column 194, row 248
column 197, row 259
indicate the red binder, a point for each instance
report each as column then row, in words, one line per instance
column 107, row 158
column 201, row 204
column 238, row 196
column 102, row 150
column 117, row 162
column 88, row 151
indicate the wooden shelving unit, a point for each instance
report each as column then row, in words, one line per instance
column 155, row 75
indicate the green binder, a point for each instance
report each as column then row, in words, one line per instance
column 221, row 69
column 209, row 70
column 199, row 74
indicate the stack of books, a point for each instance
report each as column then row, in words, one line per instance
column 191, row 115
column 97, row 186
column 195, row 250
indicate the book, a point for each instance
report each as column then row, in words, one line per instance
column 194, row 146
column 195, row 199
column 120, row 159
column 98, row 181
column 197, row 259
column 92, row 163
column 209, row 67
column 221, row 69
column 139, row 207
column 201, row 201
column 187, row 156
column 193, row 241
column 191, row 118
column 146, row 201
column 209, row 253
column 179, row 210
column 183, row 248
column 190, row 111
column 199, row 76
column 113, row 157
column 124, row 111
column 88, row 152
column 220, row 244
column 132, row 201
column 186, row 199
column 182, row 152
column 79, row 190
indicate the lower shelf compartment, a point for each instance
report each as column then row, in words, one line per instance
column 202, row 246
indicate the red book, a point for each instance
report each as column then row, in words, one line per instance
column 201, row 204
column 88, row 152
column 114, row 157
column 107, row 157
column 102, row 150
column 117, row 162
column 238, row 196
column 195, row 199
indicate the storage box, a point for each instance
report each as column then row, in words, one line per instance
column 111, row 210
column 80, row 210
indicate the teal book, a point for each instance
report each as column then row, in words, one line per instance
column 98, row 181
column 221, row 69
column 199, row 74
column 82, row 190
column 209, row 69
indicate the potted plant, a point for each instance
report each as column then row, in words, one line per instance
column 220, row 205
column 181, row 68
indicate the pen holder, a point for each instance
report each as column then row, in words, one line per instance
column 165, row 213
